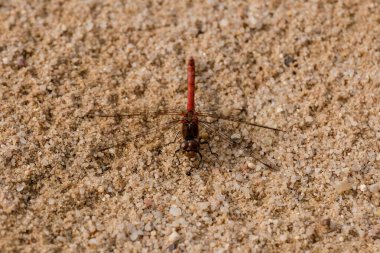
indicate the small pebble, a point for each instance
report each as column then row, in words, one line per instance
column 51, row 201
column 93, row 241
column 175, row 211
column 20, row 187
column 148, row 202
column 236, row 137
column 134, row 235
column 21, row 62
column 342, row 186
column 45, row 162
column 267, row 141
column 89, row 26
column 251, row 165
column 173, row 237
column 223, row 22
column 283, row 238
column 308, row 170
column 203, row 205
column 8, row 153
column 371, row 156
column 148, row 227
column 91, row 227
column 5, row 61
column 308, row 119
column 374, row 188
column 121, row 237
column 101, row 189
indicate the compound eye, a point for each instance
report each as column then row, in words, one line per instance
column 184, row 145
column 193, row 145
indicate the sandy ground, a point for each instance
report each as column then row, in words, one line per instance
column 310, row 68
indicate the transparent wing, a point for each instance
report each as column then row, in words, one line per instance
column 227, row 139
column 143, row 113
column 160, row 127
column 151, row 112
column 217, row 116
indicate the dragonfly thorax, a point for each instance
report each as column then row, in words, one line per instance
column 190, row 130
column 190, row 133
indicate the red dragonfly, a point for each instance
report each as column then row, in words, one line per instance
column 190, row 121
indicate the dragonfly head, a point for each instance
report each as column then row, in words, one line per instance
column 190, row 147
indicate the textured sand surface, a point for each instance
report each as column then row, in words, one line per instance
column 308, row 67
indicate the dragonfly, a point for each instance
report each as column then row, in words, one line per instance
column 190, row 120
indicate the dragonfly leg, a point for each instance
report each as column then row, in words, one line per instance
column 175, row 139
column 200, row 164
column 209, row 147
column 176, row 155
column 200, row 160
